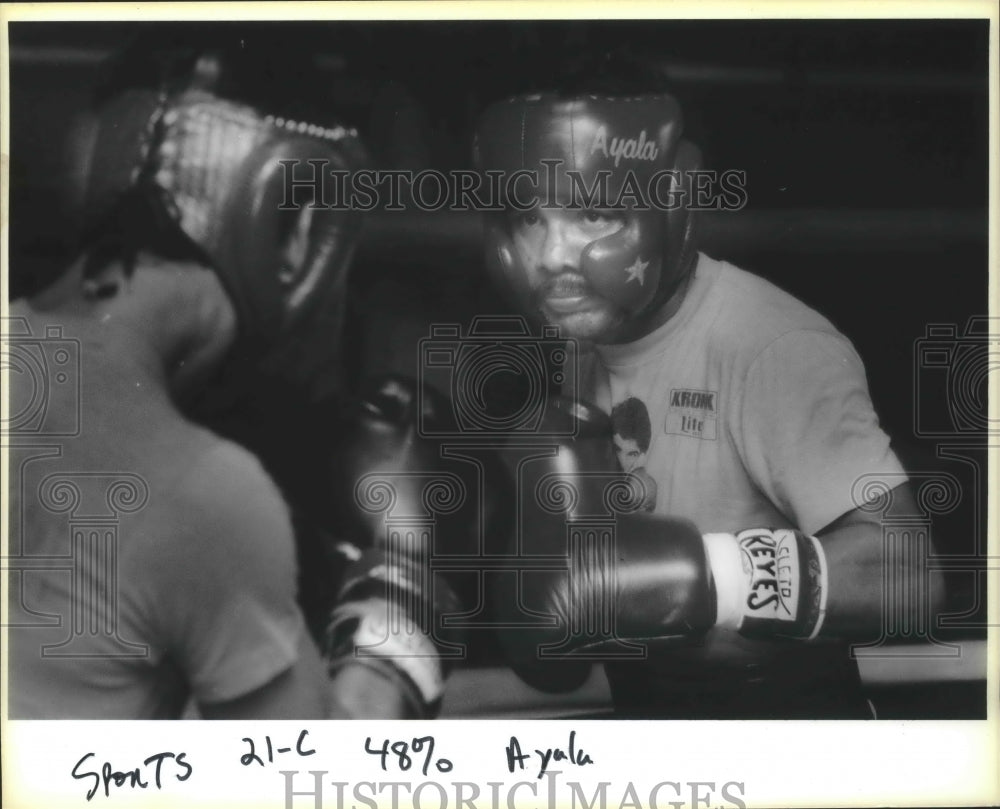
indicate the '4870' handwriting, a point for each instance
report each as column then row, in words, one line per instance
column 401, row 754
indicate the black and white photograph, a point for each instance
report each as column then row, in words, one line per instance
column 613, row 372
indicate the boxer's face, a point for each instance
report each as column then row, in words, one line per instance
column 630, row 457
column 549, row 243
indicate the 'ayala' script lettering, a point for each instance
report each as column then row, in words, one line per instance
column 516, row 759
column 631, row 149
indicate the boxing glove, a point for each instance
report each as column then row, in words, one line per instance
column 560, row 481
column 650, row 579
column 598, row 581
column 385, row 620
column 639, row 580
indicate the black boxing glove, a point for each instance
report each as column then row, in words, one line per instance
column 656, row 579
column 558, row 480
column 644, row 579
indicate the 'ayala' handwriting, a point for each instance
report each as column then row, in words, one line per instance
column 516, row 759
column 133, row 778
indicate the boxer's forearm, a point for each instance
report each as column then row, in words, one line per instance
column 359, row 693
column 845, row 582
column 870, row 581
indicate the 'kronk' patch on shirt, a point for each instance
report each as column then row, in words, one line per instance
column 692, row 412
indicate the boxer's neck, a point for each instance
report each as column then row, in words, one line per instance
column 171, row 322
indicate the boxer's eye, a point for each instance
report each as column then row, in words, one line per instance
column 525, row 219
column 600, row 216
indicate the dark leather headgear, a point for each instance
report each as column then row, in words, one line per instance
column 218, row 171
column 632, row 145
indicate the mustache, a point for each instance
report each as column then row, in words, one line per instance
column 565, row 286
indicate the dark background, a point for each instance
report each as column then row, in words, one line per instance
column 864, row 144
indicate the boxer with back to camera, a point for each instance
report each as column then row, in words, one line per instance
column 191, row 286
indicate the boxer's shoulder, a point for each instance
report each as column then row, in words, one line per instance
column 747, row 313
column 229, row 471
column 219, row 491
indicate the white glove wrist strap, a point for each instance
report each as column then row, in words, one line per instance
column 769, row 583
column 730, row 581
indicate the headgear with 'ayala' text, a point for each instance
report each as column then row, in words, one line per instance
column 628, row 151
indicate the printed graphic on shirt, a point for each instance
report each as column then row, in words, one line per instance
column 633, row 433
column 692, row 412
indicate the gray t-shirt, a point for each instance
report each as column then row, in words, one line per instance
column 758, row 408
column 748, row 409
column 155, row 561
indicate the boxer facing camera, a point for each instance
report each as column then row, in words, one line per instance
column 499, row 377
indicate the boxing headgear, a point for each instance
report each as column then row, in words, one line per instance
column 627, row 147
column 218, row 171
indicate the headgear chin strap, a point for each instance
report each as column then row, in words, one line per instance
column 220, row 172
column 627, row 148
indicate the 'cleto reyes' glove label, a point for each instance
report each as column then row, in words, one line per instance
column 771, row 561
column 768, row 584
column 784, row 576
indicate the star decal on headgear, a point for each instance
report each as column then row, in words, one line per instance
column 637, row 271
